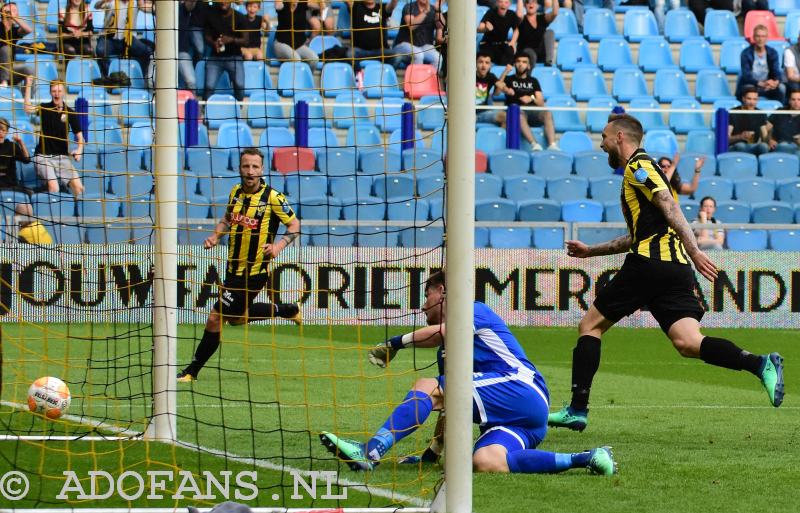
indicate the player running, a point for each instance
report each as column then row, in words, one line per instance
column 510, row 400
column 657, row 273
column 254, row 211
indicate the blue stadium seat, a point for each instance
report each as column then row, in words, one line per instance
column 605, row 188
column 333, row 236
column 220, row 183
column 426, row 237
column 661, row 141
column 202, row 134
column 613, row 53
column 221, row 108
column 488, row 187
column 539, row 210
column 548, row 238
column 582, row 211
column 784, row 240
column 305, row 184
column 520, row 188
column 430, row 112
column 321, row 44
column 336, row 78
column 388, row 114
column 599, row 235
column 669, row 84
column 612, row 212
column 573, row 51
column 423, row 162
column 53, row 205
column 778, row 166
column 319, row 207
column 321, row 138
column 510, row 238
column 592, row 164
column 234, row 134
column 295, row 76
column 350, row 109
column 727, row 104
column 411, row 210
column 695, row 55
column 735, row 165
column 551, row 164
column 145, row 25
column 791, row 27
column 490, row 138
column 680, row 25
column 257, row 78
column 564, row 24
column 721, row 189
column 337, row 161
column 567, row 189
column 683, row 122
column 109, row 233
column 550, row 80
column 193, row 207
column 275, row 137
column 597, row 120
column 135, row 106
column 316, row 108
column 730, row 55
column 774, row 212
column 789, row 190
column 263, row 110
column 598, row 24
column 205, row 162
column 712, row 85
column 379, row 161
column 80, row 72
column 780, row 47
column 651, row 119
column 366, row 208
column 690, row 208
column 99, row 106
column 430, row 186
column 380, row 81
column 130, row 67
column 701, row 141
column 768, row 105
column 733, row 212
column 573, row 142
column 497, row 209
column 746, row 240
column 394, row 187
column 364, row 136
column 720, row 26
column 396, row 141
column 629, row 83
column 638, row 24
column 755, row 190
column 350, row 186
column 98, row 205
column 654, row 54
column 588, row 83
column 565, row 120
column 377, row 237
column 509, row 162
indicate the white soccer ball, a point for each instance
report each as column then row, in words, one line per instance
column 49, row 396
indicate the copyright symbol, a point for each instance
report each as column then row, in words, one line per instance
column 14, row 485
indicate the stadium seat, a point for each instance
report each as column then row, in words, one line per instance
column 605, row 188
column 411, row 210
column 364, row 136
column 721, row 189
column 234, row 134
column 431, row 111
column 488, row 187
column 145, row 25
column 321, row 138
column 773, row 212
column 396, row 141
column 598, row 24
column 789, row 191
column 695, row 55
column 319, row 207
column 628, row 83
column 337, row 161
column 80, row 72
column 720, row 26
column 193, row 207
column 766, row 18
column 510, row 238
column 550, row 80
column 654, row 54
column 778, row 166
column 495, row 210
column 379, row 161
column 638, row 24
column 539, row 210
column 109, row 233
column 565, row 120
column 730, row 54
column 768, row 105
column 733, row 212
column 388, row 114
column 98, row 206
column 305, row 184
column 689, row 160
column 591, row 164
column 780, row 47
column 256, row 78
column 321, row 44
column 380, row 81
column 421, row 80
column 424, row 237
column 582, row 211
column 573, row 51
column 568, row 188
column 350, row 186
column 295, row 76
column 612, row 212
column 275, row 137
column 680, row 25
column 574, row 142
column 481, row 161
column 520, row 188
column 422, row 162
column 316, row 108
column 99, row 106
column 263, row 110
column 735, row 165
column 548, row 238
column 507, row 163
column 377, row 237
column 394, row 187
column 661, row 142
column 669, row 84
column 134, row 106
column 564, row 24
column 53, row 205
column 367, row 208
column 490, row 138
column 588, row 83
column 727, row 104
column 755, row 190
column 204, row 161
column 690, row 208
column 613, row 53
column 651, row 119
column 791, row 27
column 350, row 108
column 746, row 240
column 430, row 185
column 221, row 108
column 683, row 122
column 292, row 159
column 336, row 78
column 701, row 141
column 551, row 164
column 784, row 240
column 599, row 235
column 333, row 236
column 597, row 120
column 712, row 85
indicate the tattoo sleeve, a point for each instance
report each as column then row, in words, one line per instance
column 290, row 237
column 612, row 247
column 676, row 220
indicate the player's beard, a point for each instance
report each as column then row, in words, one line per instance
column 613, row 159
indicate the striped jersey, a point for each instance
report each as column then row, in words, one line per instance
column 651, row 236
column 254, row 220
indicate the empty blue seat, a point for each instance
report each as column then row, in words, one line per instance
column 628, row 83
column 778, row 166
column 380, row 81
column 350, row 108
column 661, row 142
column 690, row 208
column 735, row 165
column 396, row 141
column 550, row 80
column 688, row 162
column 680, row 25
column 98, row 205
column 564, row 24
column 573, row 51
column 598, row 23
column 319, row 207
column 205, row 162
column 81, row 72
column 263, row 110
column 789, row 191
column 638, row 24
column 394, row 187
column 730, row 54
column 539, row 210
column 489, row 139
column 683, row 122
column 321, row 138
column 430, row 186
column 784, row 240
column 130, row 67
column 696, row 54
column 591, row 164
column 316, row 108
column 509, row 162
column 605, row 188
column 364, row 136
column 654, row 54
column 333, row 236
column 588, row 83
column 510, row 238
column 425, row 237
column 733, row 212
column 256, row 77
column 612, row 212
column 526, row 187
column 670, row 84
column 568, row 188
column 597, row 120
column 565, row 120
column 234, row 134
column 746, row 240
column 720, row 26
column 337, row 161
column 574, row 142
column 701, row 141
column 193, row 207
column 599, row 235
column 411, row 210
column 276, row 137
column 430, row 112
column 613, row 53
column 712, row 85
column 791, row 27
column 336, row 78
column 651, row 117
column 780, row 46
column 109, row 233
column 350, row 186
column 53, row 205
column 379, row 161
column 221, row 108
column 488, row 187
column 551, row 164
column 548, row 238
column 305, row 184
column 135, row 106
column 388, row 114
column 364, row 208
column 423, row 162
column 721, row 189
column 755, row 190
column 295, row 76
column 377, row 237
column 582, row 211
column 773, row 212
column 495, row 210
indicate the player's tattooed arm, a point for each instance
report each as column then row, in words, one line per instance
column 292, row 232
column 612, row 247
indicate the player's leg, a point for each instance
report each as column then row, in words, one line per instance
column 206, row 348
column 264, row 311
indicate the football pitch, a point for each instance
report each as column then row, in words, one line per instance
column 688, row 437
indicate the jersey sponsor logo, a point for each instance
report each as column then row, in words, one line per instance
column 640, row 175
column 246, row 221
column 285, row 207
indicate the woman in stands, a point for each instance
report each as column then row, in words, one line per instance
column 532, row 33
column 670, row 168
column 75, row 29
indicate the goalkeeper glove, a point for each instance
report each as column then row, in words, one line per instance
column 384, row 352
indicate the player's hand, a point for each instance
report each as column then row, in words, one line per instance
column 704, row 265
column 382, row 354
column 211, row 241
column 577, row 249
column 273, row 249
column 488, row 25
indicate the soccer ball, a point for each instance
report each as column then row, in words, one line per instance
column 49, row 396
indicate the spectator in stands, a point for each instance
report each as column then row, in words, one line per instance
column 487, row 85
column 52, row 159
column 670, row 168
column 784, row 128
column 524, row 90
column 291, row 39
column 495, row 26
column 699, row 7
column 223, row 35
column 197, row 12
column 118, row 37
column 791, row 67
column 706, row 238
column 746, row 129
column 578, row 9
column 417, row 34
column 31, row 231
column 14, row 27
column 760, row 67
column 254, row 26
column 11, row 152
column 659, row 9
column 369, row 23
column 75, row 29
column 320, row 18
column 185, row 63
column 754, row 5
column 532, row 34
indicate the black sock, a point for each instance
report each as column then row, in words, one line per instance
column 585, row 362
column 288, row 310
column 205, row 350
column 261, row 311
column 724, row 353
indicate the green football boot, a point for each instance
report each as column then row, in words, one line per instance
column 602, row 462
column 348, row 451
column 772, row 377
column 566, row 417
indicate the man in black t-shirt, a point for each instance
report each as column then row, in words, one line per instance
column 418, row 33
column 495, row 26
column 487, row 85
column 11, row 152
column 748, row 131
column 784, row 128
column 369, row 22
column 226, row 40
column 524, row 90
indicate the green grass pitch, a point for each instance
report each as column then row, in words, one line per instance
column 688, row 437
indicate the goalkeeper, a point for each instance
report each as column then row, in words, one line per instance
column 510, row 400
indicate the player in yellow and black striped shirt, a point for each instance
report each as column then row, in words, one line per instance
column 255, row 212
column 656, row 274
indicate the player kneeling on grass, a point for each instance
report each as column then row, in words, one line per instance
column 511, row 400
column 254, row 212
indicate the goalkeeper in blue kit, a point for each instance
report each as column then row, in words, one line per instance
column 510, row 404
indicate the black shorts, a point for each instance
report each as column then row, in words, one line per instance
column 667, row 289
column 535, row 117
column 238, row 293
